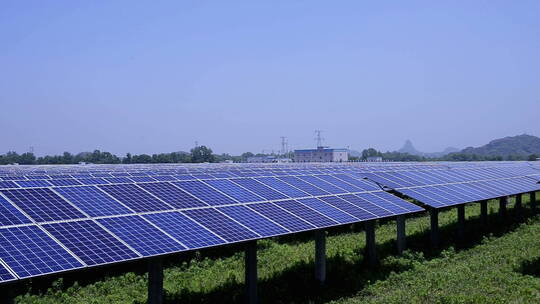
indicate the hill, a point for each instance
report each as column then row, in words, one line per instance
column 521, row 145
column 409, row 148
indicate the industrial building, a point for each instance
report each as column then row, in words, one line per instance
column 321, row 154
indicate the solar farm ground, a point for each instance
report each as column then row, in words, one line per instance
column 498, row 263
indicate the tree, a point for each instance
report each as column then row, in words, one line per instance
column 532, row 157
column 202, row 154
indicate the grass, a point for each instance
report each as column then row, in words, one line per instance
column 498, row 263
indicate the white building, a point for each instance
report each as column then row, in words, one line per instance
column 321, row 154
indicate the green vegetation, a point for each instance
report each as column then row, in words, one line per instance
column 199, row 154
column 497, row 263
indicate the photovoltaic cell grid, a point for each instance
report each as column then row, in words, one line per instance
column 127, row 237
column 442, row 188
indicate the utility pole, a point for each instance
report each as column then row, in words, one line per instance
column 283, row 145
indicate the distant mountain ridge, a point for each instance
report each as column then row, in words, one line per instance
column 511, row 145
column 409, row 148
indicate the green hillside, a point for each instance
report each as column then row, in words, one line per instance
column 512, row 145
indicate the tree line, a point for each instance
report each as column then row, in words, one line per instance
column 199, row 154
column 397, row 156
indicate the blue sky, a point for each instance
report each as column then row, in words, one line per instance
column 156, row 76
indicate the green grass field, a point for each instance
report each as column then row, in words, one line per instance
column 497, row 263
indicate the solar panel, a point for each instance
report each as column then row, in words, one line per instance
column 5, row 275
column 322, row 184
column 220, row 224
column 64, row 182
column 235, row 191
column 366, row 205
column 9, row 215
column 93, row 181
column 188, row 232
column 135, row 198
column 42, row 204
column 33, row 183
column 306, row 187
column 141, row 235
column 282, row 217
column 307, row 214
column 282, row 187
column 90, row 242
column 261, row 189
column 8, row 184
column 328, row 210
column 351, row 209
column 29, row 251
column 172, row 195
column 93, row 201
column 205, row 193
column 263, row 226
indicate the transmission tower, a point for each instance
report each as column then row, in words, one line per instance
column 283, row 145
column 319, row 138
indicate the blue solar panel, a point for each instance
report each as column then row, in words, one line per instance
column 220, row 224
column 8, row 184
column 91, row 243
column 34, row 183
column 379, row 201
column 172, row 195
column 93, row 201
column 164, row 178
column 233, row 190
column 64, row 182
column 5, row 275
column 366, row 205
column 184, row 229
column 300, row 184
column 253, row 221
column 118, row 180
column 93, row 181
column 351, row 209
column 322, row 184
column 205, row 193
column 42, row 204
column 9, row 215
column 29, row 251
column 281, row 216
column 135, row 198
column 142, row 179
column 329, row 210
column 363, row 184
column 341, row 184
column 307, row 214
column 261, row 189
column 283, row 187
column 398, row 201
column 141, row 235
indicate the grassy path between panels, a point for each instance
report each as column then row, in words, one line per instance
column 486, row 267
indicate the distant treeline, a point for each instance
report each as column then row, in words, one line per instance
column 202, row 154
column 198, row 154
column 397, row 156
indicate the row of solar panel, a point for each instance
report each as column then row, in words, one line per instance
column 454, row 194
column 29, row 250
column 118, row 180
column 53, row 204
column 403, row 179
column 518, row 170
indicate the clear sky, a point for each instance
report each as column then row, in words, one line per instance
column 156, row 76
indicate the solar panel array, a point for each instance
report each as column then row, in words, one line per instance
column 55, row 219
column 447, row 187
